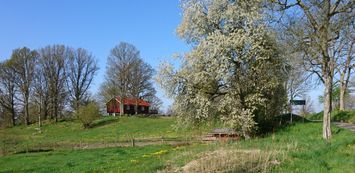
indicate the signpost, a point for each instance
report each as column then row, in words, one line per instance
column 296, row 102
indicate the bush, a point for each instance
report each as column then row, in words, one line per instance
column 87, row 114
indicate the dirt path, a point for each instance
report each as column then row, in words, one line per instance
column 84, row 146
column 349, row 126
column 129, row 144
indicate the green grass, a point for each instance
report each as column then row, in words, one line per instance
column 306, row 151
column 64, row 135
column 337, row 116
column 302, row 147
column 111, row 159
column 298, row 148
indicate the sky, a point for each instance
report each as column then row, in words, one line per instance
column 97, row 26
column 94, row 25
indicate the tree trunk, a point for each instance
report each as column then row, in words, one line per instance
column 45, row 110
column 327, row 107
column 13, row 115
column 27, row 116
column 27, row 119
column 121, row 106
column 327, row 69
column 56, row 109
column 136, row 106
column 342, row 98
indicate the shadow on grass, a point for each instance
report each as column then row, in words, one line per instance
column 279, row 123
column 104, row 122
column 33, row 151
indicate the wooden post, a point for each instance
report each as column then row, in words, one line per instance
column 162, row 140
column 291, row 113
column 133, row 142
column 304, row 114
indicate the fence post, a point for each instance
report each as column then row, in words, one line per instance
column 133, row 142
column 4, row 148
column 162, row 139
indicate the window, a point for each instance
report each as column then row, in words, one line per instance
column 142, row 108
column 127, row 108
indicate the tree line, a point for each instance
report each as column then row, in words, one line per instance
column 46, row 83
column 53, row 82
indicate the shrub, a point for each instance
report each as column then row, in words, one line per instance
column 87, row 114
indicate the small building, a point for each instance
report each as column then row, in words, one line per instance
column 113, row 106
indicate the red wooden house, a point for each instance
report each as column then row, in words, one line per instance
column 113, row 106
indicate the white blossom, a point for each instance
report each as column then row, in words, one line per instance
column 233, row 72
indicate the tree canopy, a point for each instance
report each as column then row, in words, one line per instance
column 233, row 73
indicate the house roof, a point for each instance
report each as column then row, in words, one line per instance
column 132, row 101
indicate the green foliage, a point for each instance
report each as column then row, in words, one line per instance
column 88, row 114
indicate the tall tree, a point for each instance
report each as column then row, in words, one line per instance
column 120, row 63
column 233, row 73
column 52, row 61
column 314, row 28
column 41, row 92
column 141, row 83
column 22, row 63
column 343, row 51
column 299, row 81
column 127, row 75
column 81, row 69
column 8, row 91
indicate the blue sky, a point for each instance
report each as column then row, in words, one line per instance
column 96, row 26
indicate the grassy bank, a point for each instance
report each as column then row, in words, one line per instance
column 298, row 148
column 336, row 116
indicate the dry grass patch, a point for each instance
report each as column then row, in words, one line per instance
column 227, row 160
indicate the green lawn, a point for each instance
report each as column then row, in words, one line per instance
column 298, row 148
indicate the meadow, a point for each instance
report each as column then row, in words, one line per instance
column 106, row 131
column 295, row 148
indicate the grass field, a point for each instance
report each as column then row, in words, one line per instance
column 105, row 131
column 297, row 148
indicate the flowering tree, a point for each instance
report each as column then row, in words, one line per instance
column 233, row 72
